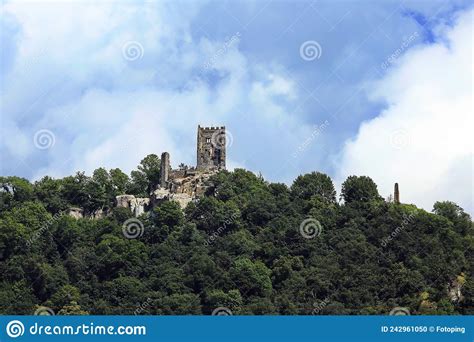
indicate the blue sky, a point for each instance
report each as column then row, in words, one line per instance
column 88, row 85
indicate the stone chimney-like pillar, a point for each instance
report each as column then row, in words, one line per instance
column 165, row 168
column 396, row 194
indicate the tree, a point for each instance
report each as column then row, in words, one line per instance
column 261, row 207
column 65, row 295
column 109, row 185
column 251, row 278
column 168, row 213
column 95, row 195
column 124, row 294
column 72, row 309
column 48, row 191
column 14, row 190
column 73, row 189
column 359, row 189
column 212, row 215
column 147, row 177
column 163, row 219
column 180, row 304
column 461, row 220
column 314, row 184
column 16, row 298
column 242, row 245
column 120, row 256
column 119, row 181
column 231, row 300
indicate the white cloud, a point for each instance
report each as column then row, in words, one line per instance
column 108, row 111
column 66, row 73
column 423, row 139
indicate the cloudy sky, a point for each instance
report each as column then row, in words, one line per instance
column 378, row 88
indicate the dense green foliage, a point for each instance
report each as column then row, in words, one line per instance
column 239, row 247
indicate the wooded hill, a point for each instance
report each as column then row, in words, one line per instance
column 248, row 245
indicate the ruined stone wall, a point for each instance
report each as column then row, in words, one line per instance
column 174, row 174
column 164, row 169
column 183, row 185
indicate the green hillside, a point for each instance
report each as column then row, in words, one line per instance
column 250, row 246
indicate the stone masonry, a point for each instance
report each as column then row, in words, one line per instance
column 182, row 185
column 211, row 148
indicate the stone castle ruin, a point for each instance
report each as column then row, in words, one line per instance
column 187, row 184
column 211, row 142
column 183, row 185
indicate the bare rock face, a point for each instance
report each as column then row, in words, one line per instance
column 75, row 212
column 183, row 186
column 124, row 201
column 454, row 289
column 161, row 194
column 140, row 205
column 98, row 214
column 182, row 199
column 136, row 205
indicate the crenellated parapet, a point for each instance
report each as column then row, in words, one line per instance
column 211, row 148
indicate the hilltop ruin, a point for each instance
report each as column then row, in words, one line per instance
column 183, row 185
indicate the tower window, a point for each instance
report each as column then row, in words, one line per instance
column 208, row 140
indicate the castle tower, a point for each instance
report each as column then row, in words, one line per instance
column 211, row 148
column 164, row 169
column 396, row 194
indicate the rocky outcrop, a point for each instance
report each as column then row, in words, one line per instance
column 182, row 199
column 79, row 213
column 141, row 205
column 98, row 214
column 75, row 212
column 137, row 205
column 183, row 187
column 454, row 288
column 124, row 201
column 161, row 195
